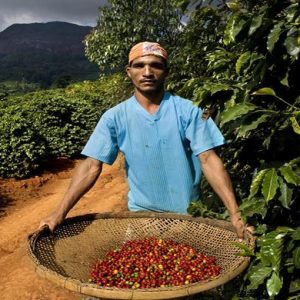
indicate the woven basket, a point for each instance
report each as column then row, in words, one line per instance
column 66, row 256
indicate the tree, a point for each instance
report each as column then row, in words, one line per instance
column 125, row 23
column 203, row 31
column 250, row 79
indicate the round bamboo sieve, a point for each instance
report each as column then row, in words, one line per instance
column 66, row 256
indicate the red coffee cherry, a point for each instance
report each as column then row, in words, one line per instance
column 153, row 263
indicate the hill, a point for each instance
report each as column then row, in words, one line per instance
column 45, row 53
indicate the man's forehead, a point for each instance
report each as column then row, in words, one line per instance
column 148, row 59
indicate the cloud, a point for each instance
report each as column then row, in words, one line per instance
column 83, row 12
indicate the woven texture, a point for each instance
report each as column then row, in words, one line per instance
column 67, row 256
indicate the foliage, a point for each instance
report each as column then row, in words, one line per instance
column 9, row 88
column 246, row 74
column 125, row 23
column 274, row 270
column 53, row 123
column 200, row 35
column 21, row 147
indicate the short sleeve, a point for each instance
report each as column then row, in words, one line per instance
column 202, row 134
column 102, row 144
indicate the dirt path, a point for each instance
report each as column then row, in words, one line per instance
column 26, row 203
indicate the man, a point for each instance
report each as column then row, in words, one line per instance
column 165, row 141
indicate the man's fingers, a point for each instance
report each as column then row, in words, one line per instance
column 42, row 224
column 45, row 224
column 46, row 227
column 242, row 229
column 246, row 228
column 240, row 232
column 249, row 228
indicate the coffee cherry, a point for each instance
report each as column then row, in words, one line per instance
column 153, row 263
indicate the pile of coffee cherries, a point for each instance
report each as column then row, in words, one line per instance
column 153, row 263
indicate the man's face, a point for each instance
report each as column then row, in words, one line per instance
column 148, row 73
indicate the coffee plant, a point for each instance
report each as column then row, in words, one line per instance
column 49, row 124
column 249, row 82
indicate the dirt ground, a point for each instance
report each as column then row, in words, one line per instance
column 24, row 203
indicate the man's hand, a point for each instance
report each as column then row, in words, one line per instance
column 52, row 221
column 240, row 227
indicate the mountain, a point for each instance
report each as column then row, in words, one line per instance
column 45, row 53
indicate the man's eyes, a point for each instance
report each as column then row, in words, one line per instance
column 157, row 66
column 154, row 65
column 138, row 66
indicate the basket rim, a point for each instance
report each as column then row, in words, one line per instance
column 91, row 289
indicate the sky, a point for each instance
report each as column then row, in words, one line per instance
column 81, row 12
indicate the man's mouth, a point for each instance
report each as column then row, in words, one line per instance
column 147, row 81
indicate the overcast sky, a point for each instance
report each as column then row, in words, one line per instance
column 82, row 12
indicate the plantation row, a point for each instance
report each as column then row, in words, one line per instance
column 49, row 124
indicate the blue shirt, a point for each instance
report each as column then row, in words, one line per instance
column 160, row 150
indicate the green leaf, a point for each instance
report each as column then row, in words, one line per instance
column 292, row 45
column 285, row 80
column 286, row 193
column 294, row 286
column 249, row 62
column 258, row 277
column 217, row 87
column 289, row 175
column 296, row 257
column 244, row 129
column 271, row 245
column 296, row 234
column 274, row 285
column 295, row 125
column 236, row 111
column 284, row 229
column 242, row 62
column 256, row 61
column 274, row 35
column 256, row 182
column 264, row 91
column 294, row 162
column 270, row 185
column 233, row 5
column 291, row 11
column 261, row 229
column 255, row 24
column 252, row 207
column 234, row 26
column 246, row 250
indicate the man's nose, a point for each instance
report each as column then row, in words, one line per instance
column 147, row 71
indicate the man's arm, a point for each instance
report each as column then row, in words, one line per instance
column 84, row 178
column 218, row 178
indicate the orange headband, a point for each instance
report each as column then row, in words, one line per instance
column 147, row 48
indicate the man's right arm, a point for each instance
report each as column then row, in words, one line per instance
column 84, row 178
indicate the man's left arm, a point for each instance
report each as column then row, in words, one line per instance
column 218, row 178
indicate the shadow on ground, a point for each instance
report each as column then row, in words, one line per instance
column 5, row 202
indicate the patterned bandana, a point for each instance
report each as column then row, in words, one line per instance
column 147, row 48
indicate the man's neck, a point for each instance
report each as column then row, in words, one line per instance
column 150, row 101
